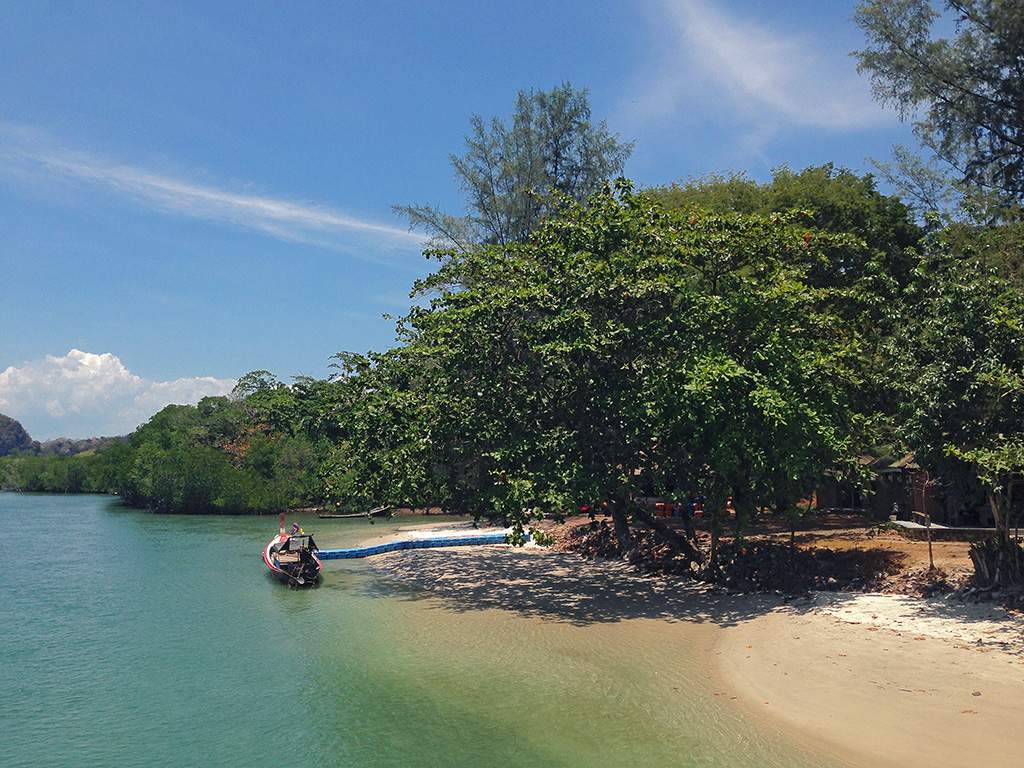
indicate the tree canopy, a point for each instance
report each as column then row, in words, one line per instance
column 621, row 351
column 836, row 200
column 246, row 454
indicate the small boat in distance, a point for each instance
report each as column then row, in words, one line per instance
column 292, row 557
column 377, row 512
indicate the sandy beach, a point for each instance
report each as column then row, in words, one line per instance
column 868, row 680
column 886, row 680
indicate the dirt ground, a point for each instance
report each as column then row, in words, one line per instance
column 848, row 538
column 950, row 556
column 839, row 531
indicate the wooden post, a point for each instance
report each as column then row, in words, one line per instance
column 928, row 527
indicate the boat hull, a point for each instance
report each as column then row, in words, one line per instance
column 283, row 574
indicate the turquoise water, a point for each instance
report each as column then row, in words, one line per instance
column 132, row 639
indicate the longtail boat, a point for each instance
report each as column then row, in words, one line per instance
column 292, row 557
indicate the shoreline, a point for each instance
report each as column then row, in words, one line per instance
column 865, row 679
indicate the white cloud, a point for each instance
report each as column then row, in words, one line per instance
column 83, row 394
column 769, row 78
column 26, row 153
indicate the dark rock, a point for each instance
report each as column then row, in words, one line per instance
column 14, row 438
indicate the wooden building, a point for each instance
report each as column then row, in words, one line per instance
column 900, row 486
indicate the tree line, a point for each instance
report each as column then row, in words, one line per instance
column 248, row 453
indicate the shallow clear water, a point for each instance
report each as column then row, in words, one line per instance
column 132, row 639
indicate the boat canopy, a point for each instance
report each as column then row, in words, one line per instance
column 300, row 541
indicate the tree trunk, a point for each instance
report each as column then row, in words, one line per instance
column 713, row 554
column 795, row 515
column 691, row 534
column 999, row 515
column 928, row 526
column 666, row 534
column 998, row 562
column 621, row 523
column 742, row 505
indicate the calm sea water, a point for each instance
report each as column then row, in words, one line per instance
column 131, row 639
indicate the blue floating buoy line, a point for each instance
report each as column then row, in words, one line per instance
column 426, row 543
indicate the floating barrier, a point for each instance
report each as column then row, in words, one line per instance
column 424, row 543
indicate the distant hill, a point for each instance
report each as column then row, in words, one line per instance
column 15, row 439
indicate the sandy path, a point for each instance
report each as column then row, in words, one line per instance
column 886, row 680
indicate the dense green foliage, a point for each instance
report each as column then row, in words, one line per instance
column 837, row 201
column 999, row 249
column 945, row 354
column 725, row 338
column 622, row 350
column 863, row 275
column 84, row 473
column 962, row 370
column 249, row 453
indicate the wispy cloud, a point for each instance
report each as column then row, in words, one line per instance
column 767, row 76
column 277, row 217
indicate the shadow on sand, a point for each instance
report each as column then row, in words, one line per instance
column 561, row 586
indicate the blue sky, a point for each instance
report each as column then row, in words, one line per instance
column 189, row 191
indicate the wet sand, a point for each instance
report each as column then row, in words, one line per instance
column 864, row 680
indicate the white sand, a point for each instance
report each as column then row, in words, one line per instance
column 981, row 625
column 886, row 680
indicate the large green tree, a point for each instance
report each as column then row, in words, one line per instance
column 837, row 200
column 379, row 418
column 960, row 362
column 865, row 247
column 621, row 351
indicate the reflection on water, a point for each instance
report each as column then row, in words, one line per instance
column 140, row 640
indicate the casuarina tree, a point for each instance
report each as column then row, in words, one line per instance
column 510, row 169
column 956, row 67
